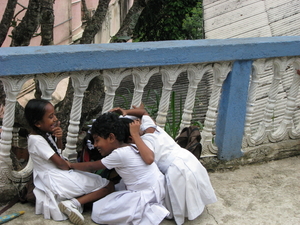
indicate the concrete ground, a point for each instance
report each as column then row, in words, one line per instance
column 264, row 194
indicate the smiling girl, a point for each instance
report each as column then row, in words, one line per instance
column 60, row 192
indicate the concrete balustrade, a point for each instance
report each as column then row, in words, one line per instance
column 253, row 103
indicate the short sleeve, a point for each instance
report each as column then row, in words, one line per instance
column 39, row 146
column 149, row 140
column 147, row 122
column 113, row 160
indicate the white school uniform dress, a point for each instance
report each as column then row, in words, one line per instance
column 188, row 187
column 53, row 185
column 142, row 201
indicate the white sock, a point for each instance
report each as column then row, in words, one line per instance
column 76, row 203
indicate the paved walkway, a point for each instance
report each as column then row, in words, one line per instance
column 265, row 194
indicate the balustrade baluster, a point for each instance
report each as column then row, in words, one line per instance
column 169, row 76
column 220, row 72
column 141, row 78
column 12, row 87
column 195, row 74
column 112, row 80
column 80, row 82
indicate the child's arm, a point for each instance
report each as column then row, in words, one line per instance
column 135, row 111
column 59, row 162
column 145, row 152
column 87, row 166
column 58, row 133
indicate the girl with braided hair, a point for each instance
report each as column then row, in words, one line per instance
column 141, row 201
column 60, row 192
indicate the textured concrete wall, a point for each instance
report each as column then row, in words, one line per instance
column 251, row 18
column 227, row 19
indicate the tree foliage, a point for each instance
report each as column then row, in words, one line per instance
column 147, row 20
column 163, row 20
column 193, row 23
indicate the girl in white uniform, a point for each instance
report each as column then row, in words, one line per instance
column 54, row 182
column 188, row 187
column 141, row 203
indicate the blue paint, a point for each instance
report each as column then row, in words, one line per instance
column 61, row 58
column 232, row 111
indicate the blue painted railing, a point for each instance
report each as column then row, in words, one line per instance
column 232, row 111
column 49, row 59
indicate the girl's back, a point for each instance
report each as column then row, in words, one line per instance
column 187, row 181
column 163, row 145
column 136, row 174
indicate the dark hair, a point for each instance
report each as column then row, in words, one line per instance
column 111, row 123
column 126, row 122
column 34, row 112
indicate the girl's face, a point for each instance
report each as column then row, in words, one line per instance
column 49, row 121
column 104, row 146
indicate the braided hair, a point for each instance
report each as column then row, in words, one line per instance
column 111, row 123
column 34, row 112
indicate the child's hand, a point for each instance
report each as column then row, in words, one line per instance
column 139, row 107
column 119, row 110
column 57, row 131
column 135, row 128
column 69, row 164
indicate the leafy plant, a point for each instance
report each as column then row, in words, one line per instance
column 163, row 20
column 193, row 23
column 126, row 102
column 172, row 127
column 198, row 124
column 151, row 102
column 152, row 109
